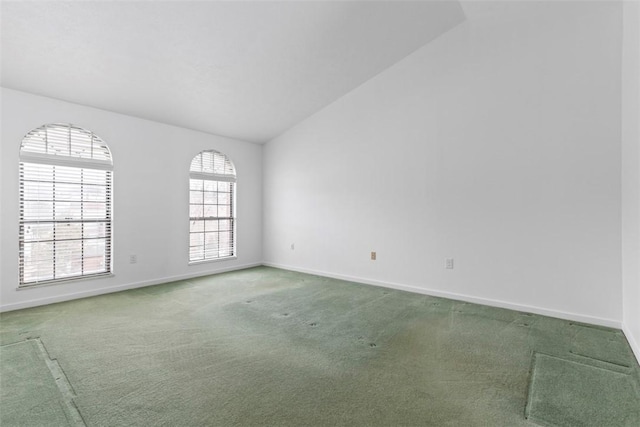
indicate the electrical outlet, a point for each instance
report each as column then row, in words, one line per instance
column 133, row 259
column 448, row 263
column 293, row 246
column 373, row 256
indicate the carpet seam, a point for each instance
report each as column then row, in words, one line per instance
column 62, row 382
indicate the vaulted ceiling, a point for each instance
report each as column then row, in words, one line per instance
column 247, row 70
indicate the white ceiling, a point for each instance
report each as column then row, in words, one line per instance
column 248, row 70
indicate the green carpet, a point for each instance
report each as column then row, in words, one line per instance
column 581, row 393
column 30, row 396
column 267, row 347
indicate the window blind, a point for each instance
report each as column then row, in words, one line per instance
column 65, row 205
column 212, row 190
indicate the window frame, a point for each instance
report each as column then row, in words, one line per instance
column 87, row 156
column 227, row 175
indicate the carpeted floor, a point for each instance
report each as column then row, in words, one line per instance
column 267, row 347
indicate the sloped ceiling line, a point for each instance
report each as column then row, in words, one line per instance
column 247, row 70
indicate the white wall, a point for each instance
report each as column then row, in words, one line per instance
column 631, row 173
column 151, row 172
column 498, row 144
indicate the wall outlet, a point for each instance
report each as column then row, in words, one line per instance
column 133, row 259
column 373, row 256
column 293, row 246
column 448, row 263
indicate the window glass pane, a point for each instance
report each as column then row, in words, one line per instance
column 58, row 144
column 210, row 211
column 35, row 232
column 195, row 211
column 81, row 145
column 94, row 177
column 224, row 211
column 225, row 240
column 38, row 271
column 211, row 225
column 94, row 210
column 222, row 165
column 224, row 198
column 68, row 231
column 211, row 239
column 94, row 193
column 94, row 248
column 211, row 251
column 37, row 172
column 196, row 226
column 94, row 229
column 210, row 185
column 225, row 225
column 210, row 197
column 68, row 210
column 196, row 253
column 35, row 190
column 196, row 184
column 68, row 192
column 39, row 251
column 207, row 161
column 38, row 262
column 38, row 210
column 196, row 239
column 68, row 258
column 35, row 142
column 195, row 197
column 224, row 186
column 67, row 174
column 94, row 256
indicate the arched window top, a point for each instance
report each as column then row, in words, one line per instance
column 63, row 143
column 213, row 164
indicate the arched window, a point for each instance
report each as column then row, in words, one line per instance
column 65, row 205
column 212, row 223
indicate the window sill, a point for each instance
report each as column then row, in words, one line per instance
column 63, row 281
column 206, row 261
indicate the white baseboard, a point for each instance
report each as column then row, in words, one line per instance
column 425, row 291
column 635, row 346
column 118, row 288
column 460, row 297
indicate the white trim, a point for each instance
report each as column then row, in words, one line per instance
column 205, row 261
column 118, row 288
column 461, row 297
column 64, row 281
column 635, row 346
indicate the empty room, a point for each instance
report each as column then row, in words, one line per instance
column 320, row 213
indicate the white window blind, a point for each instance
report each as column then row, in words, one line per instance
column 212, row 189
column 65, row 205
